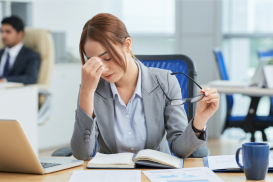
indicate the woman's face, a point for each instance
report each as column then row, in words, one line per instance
column 112, row 72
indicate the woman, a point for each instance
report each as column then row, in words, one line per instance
column 120, row 103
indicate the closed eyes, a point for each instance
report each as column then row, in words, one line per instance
column 104, row 59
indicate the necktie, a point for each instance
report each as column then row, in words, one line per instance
column 6, row 67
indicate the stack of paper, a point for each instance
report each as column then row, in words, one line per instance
column 10, row 85
column 187, row 174
column 227, row 162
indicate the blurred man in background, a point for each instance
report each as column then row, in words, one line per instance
column 17, row 63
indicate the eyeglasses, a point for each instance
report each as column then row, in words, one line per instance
column 177, row 102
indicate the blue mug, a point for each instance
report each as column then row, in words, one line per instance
column 255, row 159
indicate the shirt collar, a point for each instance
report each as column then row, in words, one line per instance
column 138, row 86
column 14, row 51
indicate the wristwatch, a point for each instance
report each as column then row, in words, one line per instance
column 199, row 131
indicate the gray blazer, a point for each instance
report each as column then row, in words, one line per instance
column 163, row 121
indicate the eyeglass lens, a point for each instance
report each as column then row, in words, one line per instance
column 196, row 98
column 182, row 101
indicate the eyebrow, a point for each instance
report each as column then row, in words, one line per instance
column 99, row 55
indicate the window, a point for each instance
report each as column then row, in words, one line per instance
column 247, row 28
column 248, row 23
column 150, row 23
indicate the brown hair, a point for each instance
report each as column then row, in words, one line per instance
column 106, row 29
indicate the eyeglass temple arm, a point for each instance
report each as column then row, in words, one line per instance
column 188, row 77
column 162, row 89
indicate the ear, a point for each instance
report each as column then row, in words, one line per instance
column 128, row 44
column 21, row 35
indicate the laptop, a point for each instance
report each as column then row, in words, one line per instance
column 17, row 155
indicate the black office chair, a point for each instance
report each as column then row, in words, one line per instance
column 175, row 63
column 249, row 123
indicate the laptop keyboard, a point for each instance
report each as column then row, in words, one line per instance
column 47, row 165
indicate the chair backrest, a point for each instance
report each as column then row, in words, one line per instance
column 176, row 63
column 40, row 41
column 267, row 55
column 223, row 72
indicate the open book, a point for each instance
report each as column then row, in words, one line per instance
column 146, row 157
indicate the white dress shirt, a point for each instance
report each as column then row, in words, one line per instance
column 130, row 125
column 13, row 53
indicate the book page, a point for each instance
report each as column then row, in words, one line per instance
column 106, row 176
column 120, row 158
column 157, row 156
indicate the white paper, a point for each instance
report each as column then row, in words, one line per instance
column 106, row 176
column 227, row 161
column 10, row 85
column 186, row 174
column 268, row 74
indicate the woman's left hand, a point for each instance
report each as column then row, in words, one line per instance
column 206, row 107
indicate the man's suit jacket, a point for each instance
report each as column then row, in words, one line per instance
column 163, row 121
column 25, row 68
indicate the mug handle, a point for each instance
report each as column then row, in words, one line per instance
column 237, row 158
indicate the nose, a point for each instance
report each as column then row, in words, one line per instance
column 106, row 69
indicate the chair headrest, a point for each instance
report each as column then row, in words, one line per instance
column 36, row 40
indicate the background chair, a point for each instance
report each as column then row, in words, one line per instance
column 268, row 54
column 249, row 123
column 175, row 63
column 41, row 41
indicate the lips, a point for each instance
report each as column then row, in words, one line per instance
column 109, row 76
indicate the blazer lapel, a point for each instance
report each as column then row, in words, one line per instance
column 152, row 111
column 105, row 111
column 20, row 59
column 1, row 53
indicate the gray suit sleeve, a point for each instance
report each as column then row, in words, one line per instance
column 183, row 140
column 84, row 135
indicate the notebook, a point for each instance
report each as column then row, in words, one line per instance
column 227, row 163
column 146, row 157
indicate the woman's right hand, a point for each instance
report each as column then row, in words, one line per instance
column 91, row 73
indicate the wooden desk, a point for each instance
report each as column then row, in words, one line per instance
column 63, row 176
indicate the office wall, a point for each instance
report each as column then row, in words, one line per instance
column 198, row 30
column 64, row 87
column 66, row 16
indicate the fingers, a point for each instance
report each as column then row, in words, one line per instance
column 100, row 70
column 208, row 91
column 212, row 100
column 92, row 65
column 97, row 66
column 94, row 61
column 212, row 97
